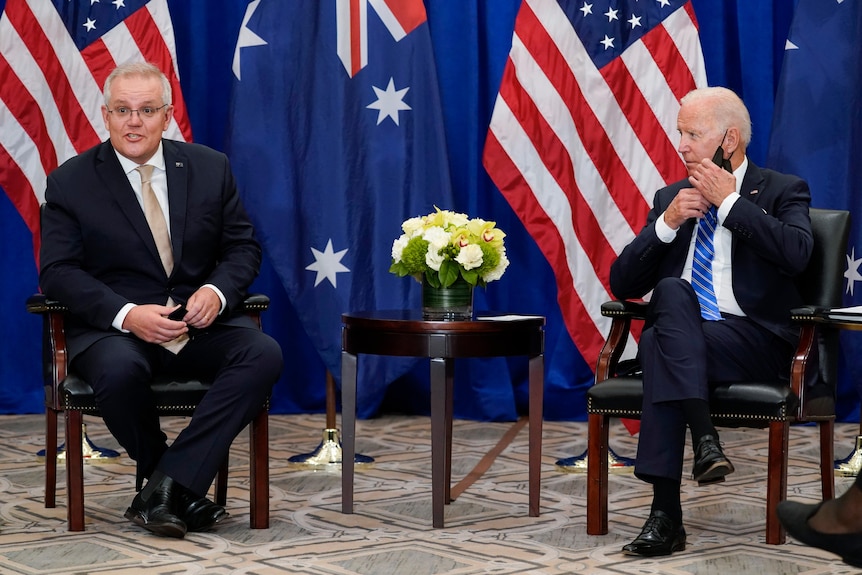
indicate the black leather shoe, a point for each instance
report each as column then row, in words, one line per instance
column 710, row 464
column 661, row 535
column 157, row 513
column 198, row 513
column 794, row 517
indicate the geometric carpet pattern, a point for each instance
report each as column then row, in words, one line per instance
column 487, row 530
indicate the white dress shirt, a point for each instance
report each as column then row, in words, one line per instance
column 722, row 268
column 159, row 184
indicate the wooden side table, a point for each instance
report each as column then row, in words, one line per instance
column 406, row 333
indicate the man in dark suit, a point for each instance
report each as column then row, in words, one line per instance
column 762, row 239
column 122, row 273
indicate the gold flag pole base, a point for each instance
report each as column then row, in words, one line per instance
column 92, row 452
column 327, row 455
column 578, row 463
column 852, row 464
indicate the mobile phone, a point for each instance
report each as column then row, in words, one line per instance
column 178, row 314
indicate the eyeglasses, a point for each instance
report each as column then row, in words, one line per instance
column 145, row 112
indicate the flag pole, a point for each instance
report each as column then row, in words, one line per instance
column 851, row 465
column 328, row 452
column 578, row 463
column 92, row 452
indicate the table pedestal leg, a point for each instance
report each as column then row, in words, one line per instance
column 348, row 423
column 442, row 377
column 536, row 368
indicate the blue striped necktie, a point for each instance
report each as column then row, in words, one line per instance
column 701, row 268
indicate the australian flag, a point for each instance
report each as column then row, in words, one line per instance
column 336, row 138
column 817, row 134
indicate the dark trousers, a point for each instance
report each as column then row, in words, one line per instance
column 680, row 354
column 243, row 365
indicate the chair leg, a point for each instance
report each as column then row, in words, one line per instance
column 827, row 458
column 221, row 483
column 75, row 470
column 597, row 474
column 50, row 457
column 259, row 470
column 776, row 483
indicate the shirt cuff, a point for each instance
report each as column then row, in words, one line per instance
column 121, row 317
column 725, row 206
column 664, row 232
column 220, row 296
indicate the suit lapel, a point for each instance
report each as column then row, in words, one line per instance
column 177, row 169
column 752, row 183
column 116, row 182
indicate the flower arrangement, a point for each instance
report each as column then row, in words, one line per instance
column 444, row 246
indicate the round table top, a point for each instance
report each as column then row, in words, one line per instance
column 411, row 320
column 407, row 333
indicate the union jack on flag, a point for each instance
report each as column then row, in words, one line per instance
column 400, row 17
column 54, row 59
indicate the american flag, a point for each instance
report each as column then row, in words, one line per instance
column 54, row 58
column 584, row 132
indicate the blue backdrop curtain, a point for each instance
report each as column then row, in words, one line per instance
column 743, row 45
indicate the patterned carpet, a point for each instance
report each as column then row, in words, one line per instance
column 487, row 526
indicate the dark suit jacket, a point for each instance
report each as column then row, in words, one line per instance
column 772, row 243
column 98, row 253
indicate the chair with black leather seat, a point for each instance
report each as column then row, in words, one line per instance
column 66, row 392
column 743, row 404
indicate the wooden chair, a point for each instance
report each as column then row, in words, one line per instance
column 744, row 404
column 66, row 392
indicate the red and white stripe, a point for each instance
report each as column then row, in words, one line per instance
column 399, row 16
column 578, row 152
column 51, row 94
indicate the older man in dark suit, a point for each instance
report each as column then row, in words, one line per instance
column 719, row 252
column 133, row 229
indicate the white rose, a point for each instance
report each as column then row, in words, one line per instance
column 433, row 259
column 437, row 239
column 398, row 247
column 470, row 256
column 412, row 227
column 497, row 272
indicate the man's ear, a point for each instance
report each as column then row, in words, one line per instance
column 731, row 142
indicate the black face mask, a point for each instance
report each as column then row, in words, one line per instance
column 718, row 158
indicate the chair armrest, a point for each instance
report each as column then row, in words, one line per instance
column 632, row 309
column 39, row 303
column 805, row 313
column 256, row 302
column 622, row 312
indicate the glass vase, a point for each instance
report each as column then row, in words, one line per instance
column 453, row 303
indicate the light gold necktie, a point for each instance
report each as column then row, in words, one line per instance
column 156, row 218
column 159, row 228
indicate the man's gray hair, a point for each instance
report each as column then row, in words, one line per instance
column 140, row 69
column 727, row 109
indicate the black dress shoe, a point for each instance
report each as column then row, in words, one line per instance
column 661, row 535
column 794, row 517
column 157, row 513
column 198, row 513
column 710, row 464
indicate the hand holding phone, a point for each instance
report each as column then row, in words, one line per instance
column 178, row 314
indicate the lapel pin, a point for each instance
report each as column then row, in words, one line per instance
column 179, row 164
column 754, row 192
